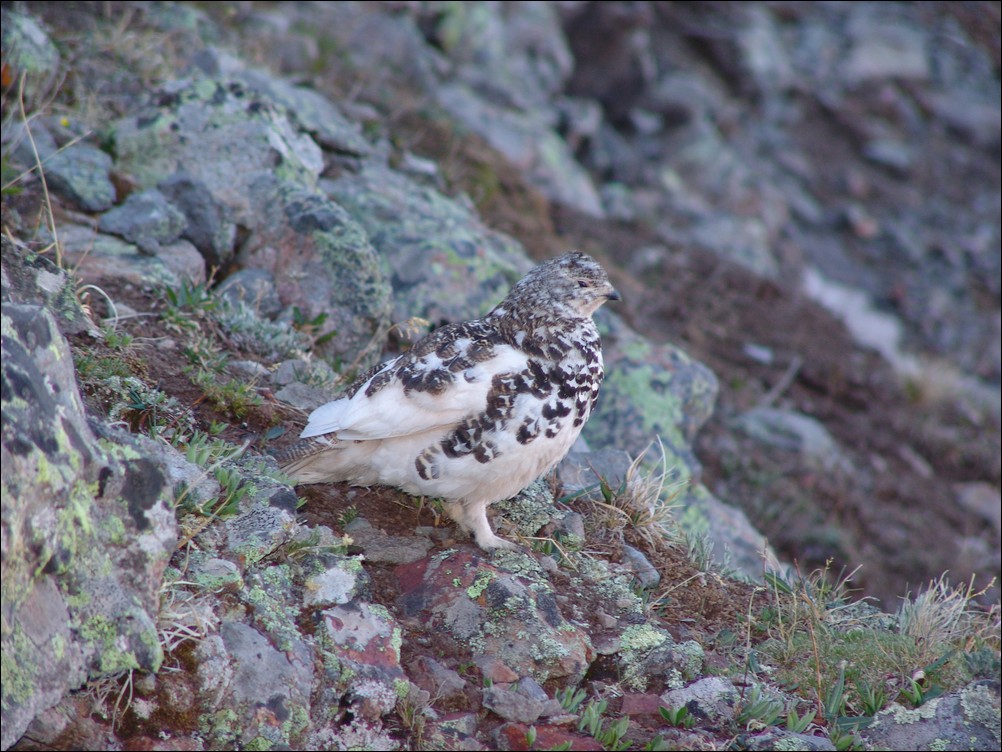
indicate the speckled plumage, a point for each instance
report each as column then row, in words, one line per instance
column 476, row 411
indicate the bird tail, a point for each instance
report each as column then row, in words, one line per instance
column 294, row 460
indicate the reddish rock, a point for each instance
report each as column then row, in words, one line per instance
column 512, row 736
column 641, row 704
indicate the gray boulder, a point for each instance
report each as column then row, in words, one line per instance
column 87, row 531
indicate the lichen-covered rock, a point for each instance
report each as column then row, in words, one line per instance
column 777, row 738
column 207, row 222
column 529, row 142
column 88, row 527
column 491, row 610
column 253, row 694
column 261, row 178
column 364, row 639
column 26, row 277
column 647, row 652
column 316, row 114
column 82, row 173
column 146, row 219
column 649, row 391
column 28, row 51
column 324, row 264
column 966, row 719
column 446, row 265
column 712, row 698
column 73, row 168
column 96, row 256
column 248, row 137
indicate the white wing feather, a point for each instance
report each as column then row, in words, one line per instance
column 393, row 412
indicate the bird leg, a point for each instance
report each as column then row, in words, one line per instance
column 472, row 517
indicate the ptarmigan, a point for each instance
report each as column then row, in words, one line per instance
column 476, row 411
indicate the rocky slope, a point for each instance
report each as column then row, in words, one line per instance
column 238, row 212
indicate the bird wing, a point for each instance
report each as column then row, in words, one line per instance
column 415, row 393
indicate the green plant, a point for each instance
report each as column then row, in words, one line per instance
column 591, row 718
column 796, row 723
column 145, row 408
column 346, row 515
column 234, row 397
column 570, row 698
column 872, row 696
column 312, row 327
column 678, row 717
column 612, row 735
column 759, row 709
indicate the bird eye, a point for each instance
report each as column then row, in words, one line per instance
column 582, row 283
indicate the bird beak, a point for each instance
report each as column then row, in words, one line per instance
column 613, row 295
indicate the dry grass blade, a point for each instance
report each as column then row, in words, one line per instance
column 940, row 615
column 641, row 510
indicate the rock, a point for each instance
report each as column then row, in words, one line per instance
column 776, row 738
column 581, row 473
column 28, row 51
column 645, row 572
column 649, row 391
column 304, row 371
column 96, row 256
column 514, row 736
column 494, row 670
column 896, row 156
column 447, row 266
column 882, row 49
column 254, row 288
column 763, row 52
column 454, row 731
column 647, row 651
column 262, row 178
column 208, row 226
column 34, row 279
column 983, row 500
column 342, row 581
column 249, row 137
column 441, row 682
column 519, row 57
column 303, row 396
column 792, row 432
column 636, row 703
column 388, row 549
column 731, row 535
column 264, row 520
column 529, row 143
column 314, row 113
column 474, row 601
column 249, row 690
column 743, row 240
column 73, row 167
column 511, row 705
column 966, row 719
column 339, row 278
column 712, row 698
column 248, row 370
column 81, row 173
column 146, row 219
column 87, row 530
column 364, row 640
